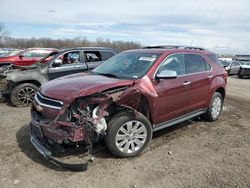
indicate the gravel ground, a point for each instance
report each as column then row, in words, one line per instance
column 191, row 154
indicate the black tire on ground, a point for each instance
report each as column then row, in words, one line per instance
column 118, row 121
column 240, row 74
column 208, row 115
column 19, row 91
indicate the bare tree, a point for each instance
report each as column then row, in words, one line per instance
column 3, row 32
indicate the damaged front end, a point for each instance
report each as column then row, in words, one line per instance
column 83, row 121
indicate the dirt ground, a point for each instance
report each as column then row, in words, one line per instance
column 191, row 154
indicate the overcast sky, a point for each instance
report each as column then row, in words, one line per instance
column 222, row 26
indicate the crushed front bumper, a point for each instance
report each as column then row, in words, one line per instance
column 36, row 135
column 4, row 89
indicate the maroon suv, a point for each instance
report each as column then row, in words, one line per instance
column 127, row 98
column 25, row 57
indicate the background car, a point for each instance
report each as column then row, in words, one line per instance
column 26, row 57
column 233, row 67
column 23, row 82
column 8, row 51
column 244, row 69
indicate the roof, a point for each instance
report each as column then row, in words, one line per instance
column 174, row 47
column 37, row 48
column 171, row 48
column 89, row 48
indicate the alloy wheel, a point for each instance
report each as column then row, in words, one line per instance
column 216, row 107
column 26, row 95
column 131, row 136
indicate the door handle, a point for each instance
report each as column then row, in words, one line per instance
column 186, row 83
column 210, row 76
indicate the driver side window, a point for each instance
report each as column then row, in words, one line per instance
column 173, row 63
column 70, row 58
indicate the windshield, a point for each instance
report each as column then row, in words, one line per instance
column 225, row 63
column 47, row 58
column 130, row 65
column 11, row 53
column 246, row 63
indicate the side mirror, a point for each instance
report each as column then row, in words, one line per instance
column 21, row 56
column 166, row 74
column 57, row 63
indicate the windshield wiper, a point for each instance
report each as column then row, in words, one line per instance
column 107, row 74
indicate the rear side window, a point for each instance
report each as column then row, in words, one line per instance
column 195, row 63
column 235, row 64
column 106, row 55
column 92, row 56
column 215, row 59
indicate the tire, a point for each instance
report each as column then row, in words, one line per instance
column 240, row 74
column 22, row 95
column 135, row 141
column 215, row 107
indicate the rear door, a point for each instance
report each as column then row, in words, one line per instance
column 72, row 62
column 94, row 57
column 199, row 75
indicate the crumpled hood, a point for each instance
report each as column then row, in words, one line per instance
column 68, row 88
column 245, row 66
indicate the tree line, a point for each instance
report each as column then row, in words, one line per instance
column 21, row 43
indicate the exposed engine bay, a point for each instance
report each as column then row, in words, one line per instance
column 82, row 122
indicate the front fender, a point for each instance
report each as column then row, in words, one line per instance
column 22, row 76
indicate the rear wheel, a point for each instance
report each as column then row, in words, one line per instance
column 23, row 94
column 214, row 108
column 128, row 134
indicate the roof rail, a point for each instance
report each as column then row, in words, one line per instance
column 161, row 46
column 173, row 47
column 194, row 48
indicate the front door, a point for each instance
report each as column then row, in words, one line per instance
column 173, row 94
column 72, row 62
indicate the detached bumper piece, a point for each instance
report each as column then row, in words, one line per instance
column 35, row 136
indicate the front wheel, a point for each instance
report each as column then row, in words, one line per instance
column 128, row 134
column 240, row 73
column 214, row 108
column 23, row 94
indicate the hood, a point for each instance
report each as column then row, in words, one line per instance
column 245, row 66
column 70, row 87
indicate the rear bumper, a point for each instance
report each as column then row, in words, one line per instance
column 36, row 137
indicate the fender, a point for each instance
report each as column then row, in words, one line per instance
column 22, row 76
column 217, row 82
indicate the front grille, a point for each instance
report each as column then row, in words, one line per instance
column 47, row 102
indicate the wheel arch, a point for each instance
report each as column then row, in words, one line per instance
column 222, row 91
column 35, row 82
column 143, row 107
